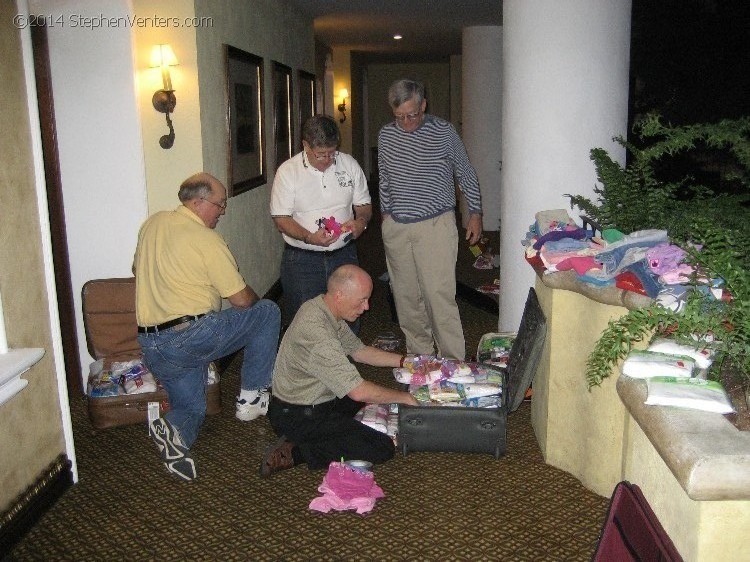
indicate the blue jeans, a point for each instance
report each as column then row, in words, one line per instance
column 180, row 358
column 305, row 273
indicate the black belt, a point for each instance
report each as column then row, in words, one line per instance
column 321, row 406
column 168, row 324
column 316, row 252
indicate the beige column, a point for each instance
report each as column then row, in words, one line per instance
column 564, row 92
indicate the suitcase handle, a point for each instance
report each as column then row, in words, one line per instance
column 414, row 421
column 488, row 425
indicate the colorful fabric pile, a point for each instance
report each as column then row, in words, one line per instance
column 446, row 382
column 644, row 261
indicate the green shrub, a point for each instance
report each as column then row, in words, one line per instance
column 696, row 209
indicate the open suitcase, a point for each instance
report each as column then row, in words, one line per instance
column 479, row 430
column 111, row 335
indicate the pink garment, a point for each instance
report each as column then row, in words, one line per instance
column 346, row 488
column 581, row 264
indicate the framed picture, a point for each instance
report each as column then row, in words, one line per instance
column 245, row 126
column 282, row 113
column 307, row 99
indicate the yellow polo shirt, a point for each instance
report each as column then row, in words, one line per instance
column 182, row 267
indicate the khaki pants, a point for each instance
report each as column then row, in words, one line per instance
column 421, row 259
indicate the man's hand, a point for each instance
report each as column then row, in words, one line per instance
column 474, row 229
column 321, row 237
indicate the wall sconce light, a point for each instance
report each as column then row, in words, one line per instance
column 344, row 93
column 164, row 100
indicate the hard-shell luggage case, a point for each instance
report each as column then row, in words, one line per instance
column 111, row 335
column 479, row 430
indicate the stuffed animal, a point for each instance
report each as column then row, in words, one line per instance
column 331, row 225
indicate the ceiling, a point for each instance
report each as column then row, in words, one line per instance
column 430, row 28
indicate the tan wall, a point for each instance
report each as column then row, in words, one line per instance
column 276, row 32
column 578, row 430
column 700, row 530
column 31, row 433
column 435, row 76
column 342, row 79
column 166, row 169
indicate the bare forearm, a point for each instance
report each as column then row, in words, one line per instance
column 372, row 393
column 370, row 355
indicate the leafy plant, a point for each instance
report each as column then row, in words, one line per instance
column 710, row 221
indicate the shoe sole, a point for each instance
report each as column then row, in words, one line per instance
column 270, row 449
column 176, row 457
column 183, row 468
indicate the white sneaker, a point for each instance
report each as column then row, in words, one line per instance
column 249, row 410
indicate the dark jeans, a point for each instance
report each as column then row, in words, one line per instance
column 180, row 358
column 305, row 273
column 327, row 432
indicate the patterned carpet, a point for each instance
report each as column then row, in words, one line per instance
column 438, row 506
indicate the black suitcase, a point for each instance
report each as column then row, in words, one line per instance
column 479, row 430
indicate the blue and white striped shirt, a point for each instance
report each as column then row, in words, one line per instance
column 417, row 171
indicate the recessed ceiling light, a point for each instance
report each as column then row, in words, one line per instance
column 397, row 37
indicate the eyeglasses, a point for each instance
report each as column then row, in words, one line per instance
column 222, row 205
column 324, row 155
column 407, row 117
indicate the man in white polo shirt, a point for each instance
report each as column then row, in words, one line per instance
column 318, row 183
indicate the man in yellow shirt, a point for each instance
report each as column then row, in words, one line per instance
column 183, row 270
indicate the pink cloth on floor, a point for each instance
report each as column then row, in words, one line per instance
column 345, row 488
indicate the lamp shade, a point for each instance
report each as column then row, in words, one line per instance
column 162, row 55
column 343, row 94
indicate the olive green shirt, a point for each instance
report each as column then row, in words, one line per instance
column 312, row 364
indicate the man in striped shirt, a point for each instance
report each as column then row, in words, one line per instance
column 421, row 158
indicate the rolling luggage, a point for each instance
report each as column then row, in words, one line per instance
column 111, row 336
column 479, row 430
column 631, row 530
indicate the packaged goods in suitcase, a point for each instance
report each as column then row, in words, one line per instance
column 111, row 337
column 457, row 428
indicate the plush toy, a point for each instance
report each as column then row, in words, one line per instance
column 332, row 226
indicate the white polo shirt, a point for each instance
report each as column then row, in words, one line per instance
column 306, row 194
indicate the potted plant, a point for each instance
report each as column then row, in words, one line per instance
column 691, row 181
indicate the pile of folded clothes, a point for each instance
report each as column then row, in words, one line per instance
column 644, row 261
column 447, row 382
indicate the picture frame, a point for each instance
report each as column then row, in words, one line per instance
column 283, row 133
column 307, row 98
column 245, row 122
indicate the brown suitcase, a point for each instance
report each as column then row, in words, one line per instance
column 111, row 335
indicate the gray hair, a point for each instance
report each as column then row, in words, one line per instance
column 404, row 90
column 321, row 131
column 197, row 186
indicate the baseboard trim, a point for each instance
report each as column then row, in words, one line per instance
column 34, row 502
column 477, row 299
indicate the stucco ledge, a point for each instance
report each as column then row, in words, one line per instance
column 708, row 456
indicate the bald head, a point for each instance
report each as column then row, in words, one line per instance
column 198, row 186
column 205, row 196
column 347, row 277
column 348, row 294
